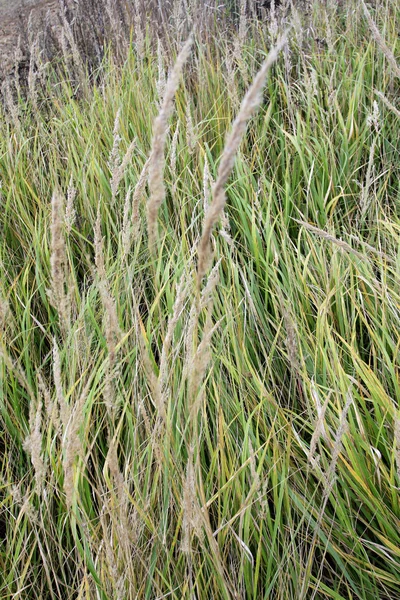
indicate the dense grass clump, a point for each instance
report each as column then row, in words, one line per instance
column 199, row 316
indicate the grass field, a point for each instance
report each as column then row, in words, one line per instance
column 199, row 315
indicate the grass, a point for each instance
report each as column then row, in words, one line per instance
column 237, row 439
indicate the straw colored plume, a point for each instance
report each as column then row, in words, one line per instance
column 120, row 168
column 33, row 443
column 191, row 136
column 206, row 184
column 63, row 407
column 116, row 165
column 173, row 159
column 337, row 447
column 157, row 158
column 330, row 238
column 70, row 212
column 131, row 216
column 73, row 448
column 397, row 442
column 112, row 330
column 136, row 198
column 181, row 295
column 380, row 41
column 58, row 294
column 329, row 479
column 319, row 426
column 251, row 102
column 161, row 82
column 388, row 104
column 192, row 521
column 198, row 360
column 68, row 35
column 4, row 312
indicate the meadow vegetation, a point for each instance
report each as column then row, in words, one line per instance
column 200, row 307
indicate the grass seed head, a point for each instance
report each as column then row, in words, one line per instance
column 157, row 158
column 251, row 102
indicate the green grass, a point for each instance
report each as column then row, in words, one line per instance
column 208, row 492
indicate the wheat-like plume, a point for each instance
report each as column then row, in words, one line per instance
column 119, row 169
column 181, row 294
column 251, row 102
column 12, row 107
column 58, row 294
column 63, row 406
column 139, row 34
column 51, row 405
column 397, row 442
column 70, row 212
column 33, row 442
column 387, row 103
column 126, row 224
column 173, row 158
column 161, row 81
column 192, row 519
column 76, row 56
column 4, row 313
column 136, row 198
column 32, row 77
column 330, row 238
column 73, row 448
column 66, row 55
column 319, row 426
column 114, row 159
column 112, row 329
column 18, row 56
column 380, row 41
column 231, row 79
column 199, row 356
column 329, row 480
column 206, row 185
column 191, row 137
column 157, row 158
column 337, row 445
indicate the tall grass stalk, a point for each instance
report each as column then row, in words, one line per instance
column 250, row 103
column 160, row 128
